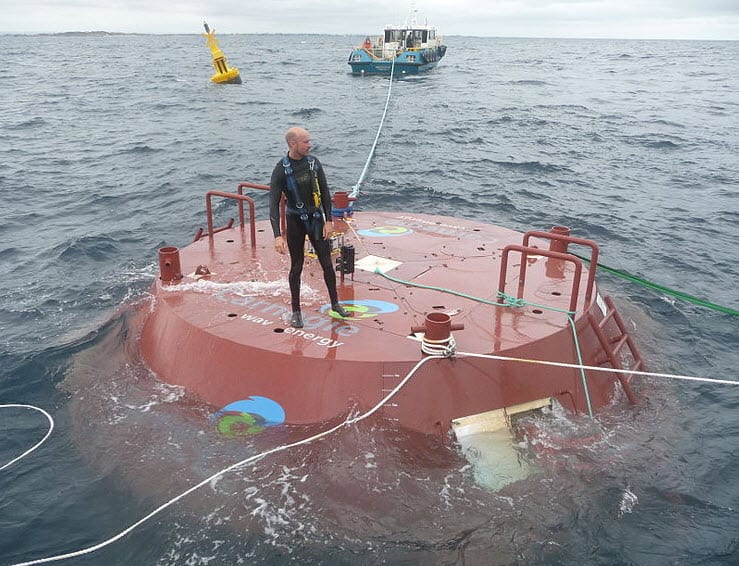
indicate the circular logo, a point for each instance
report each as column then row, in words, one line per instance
column 385, row 231
column 249, row 416
column 363, row 309
column 239, row 424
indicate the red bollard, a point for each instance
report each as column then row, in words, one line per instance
column 341, row 202
column 437, row 330
column 559, row 245
column 169, row 264
column 555, row 268
column 342, row 199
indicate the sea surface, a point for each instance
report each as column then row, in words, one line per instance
column 107, row 146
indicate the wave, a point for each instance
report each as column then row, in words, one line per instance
column 307, row 112
column 140, row 149
column 531, row 166
column 30, row 124
column 95, row 248
column 529, row 82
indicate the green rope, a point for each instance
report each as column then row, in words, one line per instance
column 510, row 301
column 663, row 289
column 440, row 289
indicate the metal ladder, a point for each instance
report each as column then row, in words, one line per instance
column 614, row 347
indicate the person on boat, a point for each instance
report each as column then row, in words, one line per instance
column 300, row 177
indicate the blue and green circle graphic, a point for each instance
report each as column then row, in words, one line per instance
column 385, row 231
column 362, row 309
column 248, row 416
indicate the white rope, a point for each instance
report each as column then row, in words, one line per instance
column 251, row 459
column 598, row 368
column 40, row 442
column 355, row 189
column 347, row 422
column 443, row 348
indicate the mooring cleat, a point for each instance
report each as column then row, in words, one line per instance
column 341, row 311
column 297, row 320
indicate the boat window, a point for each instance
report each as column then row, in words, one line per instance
column 410, row 58
column 356, row 57
column 425, row 36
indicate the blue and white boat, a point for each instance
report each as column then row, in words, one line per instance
column 412, row 48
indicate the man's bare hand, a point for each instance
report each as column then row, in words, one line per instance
column 280, row 245
column 328, row 230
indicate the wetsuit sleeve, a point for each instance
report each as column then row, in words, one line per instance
column 325, row 193
column 276, row 188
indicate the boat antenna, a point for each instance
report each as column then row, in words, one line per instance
column 412, row 15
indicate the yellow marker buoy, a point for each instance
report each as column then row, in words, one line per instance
column 224, row 74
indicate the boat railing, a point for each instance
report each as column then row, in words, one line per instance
column 241, row 198
column 529, row 251
column 374, row 52
column 283, row 221
column 559, row 240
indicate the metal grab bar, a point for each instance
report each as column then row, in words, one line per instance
column 241, row 198
column 525, row 252
column 567, row 239
column 283, row 222
column 244, row 185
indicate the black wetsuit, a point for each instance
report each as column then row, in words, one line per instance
column 296, row 229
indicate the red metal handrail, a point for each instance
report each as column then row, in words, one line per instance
column 247, row 185
column 240, row 188
column 525, row 252
column 239, row 197
column 567, row 239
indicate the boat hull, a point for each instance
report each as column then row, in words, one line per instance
column 407, row 62
column 226, row 337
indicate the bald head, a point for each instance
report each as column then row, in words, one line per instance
column 298, row 142
column 294, row 133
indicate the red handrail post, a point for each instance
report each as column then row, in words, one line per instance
column 562, row 240
column 525, row 251
column 241, row 199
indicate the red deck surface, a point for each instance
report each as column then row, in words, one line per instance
column 226, row 337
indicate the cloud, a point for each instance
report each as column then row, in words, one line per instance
column 690, row 19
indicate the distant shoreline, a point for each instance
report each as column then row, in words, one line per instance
column 76, row 33
column 119, row 33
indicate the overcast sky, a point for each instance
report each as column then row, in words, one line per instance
column 648, row 19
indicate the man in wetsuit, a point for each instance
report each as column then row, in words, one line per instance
column 301, row 179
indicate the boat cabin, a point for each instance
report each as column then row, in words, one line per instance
column 410, row 38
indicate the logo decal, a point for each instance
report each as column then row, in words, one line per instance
column 386, row 231
column 249, row 416
column 362, row 309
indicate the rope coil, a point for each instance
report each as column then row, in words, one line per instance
column 441, row 348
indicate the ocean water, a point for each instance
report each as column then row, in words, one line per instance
column 108, row 144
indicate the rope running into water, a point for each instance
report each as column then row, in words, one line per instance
column 40, row 442
column 355, row 189
column 246, row 461
column 345, row 423
column 663, row 289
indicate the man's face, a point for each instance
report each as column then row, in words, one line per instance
column 303, row 144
